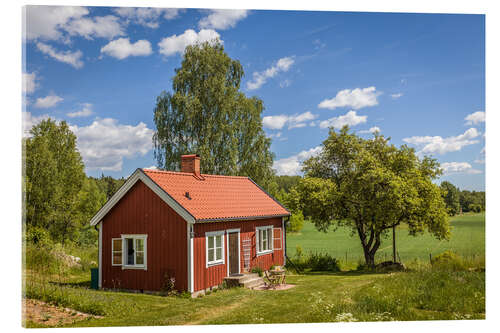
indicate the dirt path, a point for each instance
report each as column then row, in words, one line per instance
column 216, row 312
column 42, row 313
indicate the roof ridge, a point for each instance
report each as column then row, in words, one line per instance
column 180, row 173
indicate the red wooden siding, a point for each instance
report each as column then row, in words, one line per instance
column 141, row 211
column 214, row 275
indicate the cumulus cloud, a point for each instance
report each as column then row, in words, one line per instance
column 176, row 44
column 48, row 22
column 84, row 112
column 122, row 48
column 259, row 78
column 105, row 143
column 29, row 82
column 458, row 167
column 440, row 145
column 356, row 98
column 350, row 119
column 29, row 121
column 293, row 121
column 396, row 96
column 147, row 17
column 222, row 19
column 372, row 130
column 99, row 26
column 475, row 118
column 292, row 165
column 47, row 101
column 68, row 57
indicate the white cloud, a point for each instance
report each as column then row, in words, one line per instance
column 285, row 83
column 372, row 130
column 222, row 19
column 291, row 166
column 458, row 167
column 148, row 17
column 293, row 121
column 153, row 167
column 29, row 121
column 476, row 118
column 99, row 26
column 396, row 96
column 72, row 58
column 47, row 22
column 356, row 98
column 350, row 119
column 29, row 82
column 176, row 44
column 440, row 145
column 84, row 112
column 122, row 48
column 259, row 78
column 105, row 143
column 47, row 101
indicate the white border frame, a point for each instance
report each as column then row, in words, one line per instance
column 257, row 249
column 219, row 262
column 135, row 236
column 232, row 231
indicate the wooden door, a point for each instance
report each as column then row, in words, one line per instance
column 234, row 253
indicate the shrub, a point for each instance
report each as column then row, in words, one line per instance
column 38, row 236
column 168, row 284
column 323, row 262
column 448, row 260
column 296, row 222
column 257, row 270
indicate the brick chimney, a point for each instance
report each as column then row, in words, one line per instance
column 191, row 164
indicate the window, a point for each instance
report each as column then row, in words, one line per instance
column 264, row 239
column 116, row 258
column 215, row 247
column 130, row 251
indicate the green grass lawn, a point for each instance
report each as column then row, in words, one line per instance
column 467, row 239
column 348, row 296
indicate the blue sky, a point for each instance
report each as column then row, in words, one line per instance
column 417, row 78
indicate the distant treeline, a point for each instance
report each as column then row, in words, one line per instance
column 464, row 201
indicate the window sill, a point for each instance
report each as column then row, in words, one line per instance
column 215, row 263
column 134, row 267
column 264, row 252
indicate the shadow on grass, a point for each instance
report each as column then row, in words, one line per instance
column 342, row 273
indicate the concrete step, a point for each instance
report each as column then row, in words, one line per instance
column 247, row 277
column 254, row 282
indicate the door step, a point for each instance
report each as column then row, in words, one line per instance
column 250, row 280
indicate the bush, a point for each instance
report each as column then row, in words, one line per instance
column 296, row 222
column 448, row 260
column 257, row 270
column 323, row 262
column 38, row 236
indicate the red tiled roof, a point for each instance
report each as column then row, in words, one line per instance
column 217, row 197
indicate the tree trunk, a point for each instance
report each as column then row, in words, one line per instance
column 394, row 243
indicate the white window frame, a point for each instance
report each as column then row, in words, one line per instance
column 214, row 234
column 113, row 251
column 257, row 240
column 124, row 254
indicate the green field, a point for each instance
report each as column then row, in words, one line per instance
column 467, row 239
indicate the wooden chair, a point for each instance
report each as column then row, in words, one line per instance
column 272, row 280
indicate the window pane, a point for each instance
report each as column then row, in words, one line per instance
column 218, row 241
column 210, row 255
column 211, row 242
column 117, row 258
column 117, row 245
column 130, row 251
column 219, row 253
column 139, row 244
column 139, row 258
column 270, row 239
column 260, row 240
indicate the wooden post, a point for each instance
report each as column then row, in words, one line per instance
column 394, row 243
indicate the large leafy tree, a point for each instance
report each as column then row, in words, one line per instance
column 206, row 114
column 451, row 196
column 371, row 187
column 54, row 176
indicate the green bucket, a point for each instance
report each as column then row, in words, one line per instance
column 94, row 278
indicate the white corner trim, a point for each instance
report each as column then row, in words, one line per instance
column 190, row 259
column 100, row 257
column 136, row 176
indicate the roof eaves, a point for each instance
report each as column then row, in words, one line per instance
column 240, row 218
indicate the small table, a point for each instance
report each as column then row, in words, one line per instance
column 279, row 274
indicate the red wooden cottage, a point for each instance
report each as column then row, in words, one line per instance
column 194, row 227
